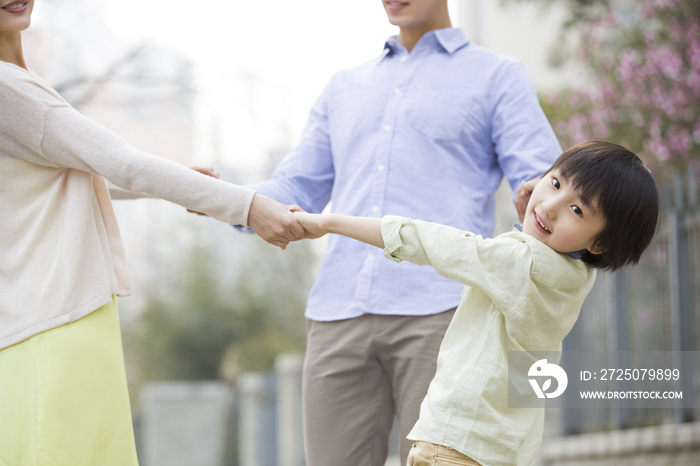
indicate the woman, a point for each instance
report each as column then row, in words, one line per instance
column 63, row 395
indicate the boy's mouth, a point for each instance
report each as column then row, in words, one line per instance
column 541, row 224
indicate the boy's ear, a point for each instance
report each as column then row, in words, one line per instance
column 595, row 249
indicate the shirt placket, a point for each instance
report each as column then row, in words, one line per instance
column 401, row 68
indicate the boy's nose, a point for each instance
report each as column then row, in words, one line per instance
column 549, row 209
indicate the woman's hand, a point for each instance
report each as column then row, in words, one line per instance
column 274, row 222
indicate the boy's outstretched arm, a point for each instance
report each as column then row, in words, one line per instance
column 365, row 229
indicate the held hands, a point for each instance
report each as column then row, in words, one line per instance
column 313, row 224
column 274, row 222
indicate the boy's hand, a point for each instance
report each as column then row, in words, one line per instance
column 312, row 223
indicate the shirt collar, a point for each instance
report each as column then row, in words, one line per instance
column 450, row 39
column 574, row 255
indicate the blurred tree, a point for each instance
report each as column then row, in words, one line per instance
column 579, row 10
column 643, row 88
column 193, row 319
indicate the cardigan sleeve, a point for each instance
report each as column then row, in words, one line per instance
column 74, row 141
column 38, row 126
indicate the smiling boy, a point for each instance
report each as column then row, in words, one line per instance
column 597, row 207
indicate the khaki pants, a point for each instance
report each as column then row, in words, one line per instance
column 360, row 374
column 429, row 454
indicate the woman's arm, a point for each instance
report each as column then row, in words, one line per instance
column 365, row 229
column 36, row 125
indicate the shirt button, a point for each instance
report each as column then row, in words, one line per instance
column 387, row 128
column 404, row 58
column 380, row 168
column 375, row 209
column 370, row 255
column 397, row 91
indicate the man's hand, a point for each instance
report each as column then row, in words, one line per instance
column 274, row 222
column 522, row 196
column 312, row 223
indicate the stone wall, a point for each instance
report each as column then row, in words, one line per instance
column 666, row 445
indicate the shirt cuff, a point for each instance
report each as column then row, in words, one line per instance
column 391, row 234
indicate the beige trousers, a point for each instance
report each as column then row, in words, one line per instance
column 359, row 375
column 429, row 454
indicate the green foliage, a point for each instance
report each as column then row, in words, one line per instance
column 194, row 317
column 579, row 10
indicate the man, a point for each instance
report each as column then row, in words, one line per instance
column 428, row 129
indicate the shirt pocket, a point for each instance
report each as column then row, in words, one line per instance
column 439, row 113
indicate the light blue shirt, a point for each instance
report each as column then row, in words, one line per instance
column 425, row 135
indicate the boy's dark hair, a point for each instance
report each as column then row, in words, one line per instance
column 617, row 181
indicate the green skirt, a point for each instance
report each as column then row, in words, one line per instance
column 64, row 398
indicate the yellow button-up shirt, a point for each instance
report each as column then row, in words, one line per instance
column 520, row 295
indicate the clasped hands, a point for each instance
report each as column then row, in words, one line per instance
column 274, row 222
column 279, row 224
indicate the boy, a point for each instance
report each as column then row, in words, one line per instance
column 597, row 207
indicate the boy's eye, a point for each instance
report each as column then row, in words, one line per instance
column 555, row 183
column 577, row 210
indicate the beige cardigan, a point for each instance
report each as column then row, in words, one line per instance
column 61, row 255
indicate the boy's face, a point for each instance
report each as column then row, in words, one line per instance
column 556, row 216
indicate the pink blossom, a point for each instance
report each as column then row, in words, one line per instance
column 658, row 95
column 694, row 53
column 696, row 131
column 628, row 65
column 576, row 129
column 679, row 141
column 560, row 127
column 652, row 88
column 650, row 37
column 680, row 101
column 655, row 127
column 692, row 30
column 666, row 60
column 609, row 92
column 583, row 52
column 574, row 99
column 692, row 80
column 676, row 31
column 553, row 100
column 611, row 20
column 657, row 149
column 664, row 4
column 608, row 63
column 646, row 10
